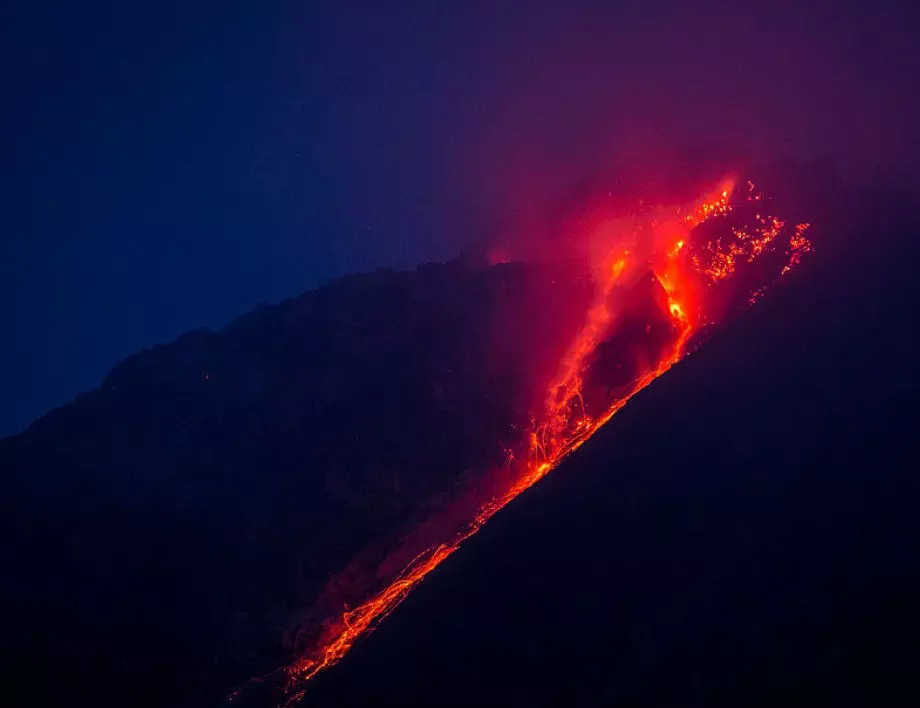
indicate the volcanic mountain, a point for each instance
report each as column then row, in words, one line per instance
column 309, row 465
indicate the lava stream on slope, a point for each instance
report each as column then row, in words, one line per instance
column 664, row 276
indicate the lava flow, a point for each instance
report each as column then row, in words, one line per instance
column 661, row 278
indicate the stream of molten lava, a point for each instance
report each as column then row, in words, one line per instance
column 566, row 424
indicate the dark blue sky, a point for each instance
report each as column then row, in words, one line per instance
column 170, row 165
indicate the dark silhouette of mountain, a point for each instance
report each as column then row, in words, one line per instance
column 744, row 531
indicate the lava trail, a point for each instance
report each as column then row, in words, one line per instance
column 664, row 274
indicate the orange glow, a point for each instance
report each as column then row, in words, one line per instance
column 687, row 267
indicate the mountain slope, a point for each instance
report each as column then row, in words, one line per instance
column 745, row 522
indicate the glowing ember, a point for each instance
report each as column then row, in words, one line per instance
column 677, row 258
column 798, row 247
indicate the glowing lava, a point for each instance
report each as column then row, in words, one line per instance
column 667, row 249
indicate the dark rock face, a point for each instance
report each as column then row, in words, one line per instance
column 641, row 337
column 166, row 526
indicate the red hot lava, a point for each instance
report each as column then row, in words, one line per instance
column 661, row 274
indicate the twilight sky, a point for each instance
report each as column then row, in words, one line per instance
column 171, row 165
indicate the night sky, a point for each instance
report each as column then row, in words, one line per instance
column 171, row 165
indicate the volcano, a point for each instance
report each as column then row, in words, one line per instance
column 267, row 495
